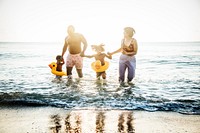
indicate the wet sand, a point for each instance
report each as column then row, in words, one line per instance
column 20, row 119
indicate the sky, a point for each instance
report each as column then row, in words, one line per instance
column 100, row 21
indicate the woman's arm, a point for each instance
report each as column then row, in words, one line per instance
column 118, row 50
column 108, row 56
column 114, row 52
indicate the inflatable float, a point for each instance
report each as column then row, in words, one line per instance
column 53, row 66
column 97, row 67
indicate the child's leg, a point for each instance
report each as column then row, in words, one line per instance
column 98, row 75
column 103, row 74
column 58, row 77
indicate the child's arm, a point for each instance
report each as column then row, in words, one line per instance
column 88, row 56
column 108, row 56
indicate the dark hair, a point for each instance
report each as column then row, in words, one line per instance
column 129, row 30
column 58, row 57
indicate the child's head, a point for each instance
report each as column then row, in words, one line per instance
column 98, row 48
column 59, row 58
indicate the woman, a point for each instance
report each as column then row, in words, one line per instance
column 127, row 59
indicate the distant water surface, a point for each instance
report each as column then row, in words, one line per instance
column 167, row 79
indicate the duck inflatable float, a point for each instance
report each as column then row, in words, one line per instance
column 97, row 67
column 53, row 67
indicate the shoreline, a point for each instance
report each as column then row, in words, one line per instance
column 45, row 119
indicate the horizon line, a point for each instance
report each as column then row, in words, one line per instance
column 137, row 41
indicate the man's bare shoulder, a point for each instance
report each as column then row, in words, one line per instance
column 79, row 35
column 67, row 37
column 66, row 41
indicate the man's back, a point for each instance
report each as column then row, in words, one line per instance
column 74, row 43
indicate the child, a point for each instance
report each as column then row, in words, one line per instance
column 59, row 63
column 99, row 56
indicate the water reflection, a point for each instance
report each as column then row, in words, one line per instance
column 125, row 123
column 55, row 119
column 100, row 118
column 92, row 121
column 73, row 123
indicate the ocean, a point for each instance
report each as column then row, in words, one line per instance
column 167, row 79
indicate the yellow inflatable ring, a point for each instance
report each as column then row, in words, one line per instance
column 97, row 67
column 53, row 66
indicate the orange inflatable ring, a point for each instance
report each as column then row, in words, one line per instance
column 97, row 67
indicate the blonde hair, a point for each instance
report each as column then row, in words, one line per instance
column 98, row 47
column 129, row 30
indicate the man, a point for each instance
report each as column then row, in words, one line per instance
column 73, row 42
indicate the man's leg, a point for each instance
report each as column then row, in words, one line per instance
column 80, row 73
column 69, row 71
column 79, row 65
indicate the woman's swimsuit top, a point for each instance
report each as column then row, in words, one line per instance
column 129, row 48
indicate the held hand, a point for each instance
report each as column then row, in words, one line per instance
column 110, row 54
column 62, row 59
column 82, row 54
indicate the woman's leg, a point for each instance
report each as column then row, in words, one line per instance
column 131, row 73
column 131, row 69
column 122, row 69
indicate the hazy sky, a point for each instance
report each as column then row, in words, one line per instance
column 99, row 20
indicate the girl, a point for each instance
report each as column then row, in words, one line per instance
column 99, row 56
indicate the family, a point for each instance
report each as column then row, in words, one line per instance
column 73, row 43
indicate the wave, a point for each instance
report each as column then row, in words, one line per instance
column 125, row 99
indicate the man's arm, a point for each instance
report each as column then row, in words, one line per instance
column 84, row 41
column 65, row 47
column 88, row 56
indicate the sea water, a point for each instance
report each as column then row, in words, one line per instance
column 167, row 79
